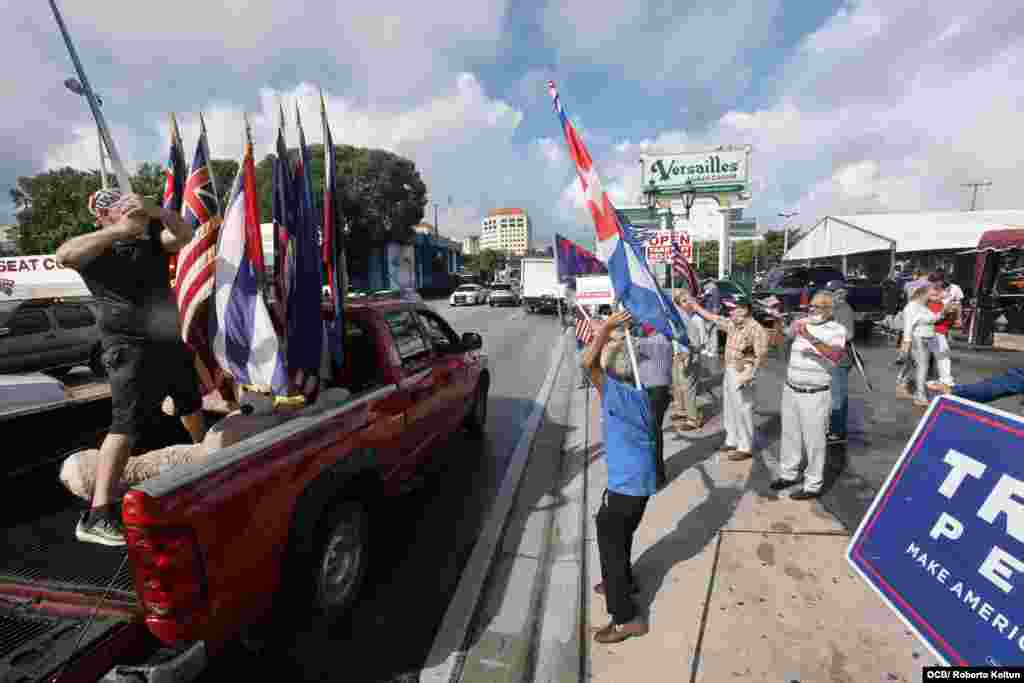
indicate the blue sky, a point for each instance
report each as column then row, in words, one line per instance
column 876, row 105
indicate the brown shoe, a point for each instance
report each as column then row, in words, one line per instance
column 739, row 456
column 689, row 426
column 903, row 392
column 616, row 633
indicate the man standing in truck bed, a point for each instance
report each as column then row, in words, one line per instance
column 125, row 265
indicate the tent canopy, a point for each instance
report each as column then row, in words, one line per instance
column 904, row 232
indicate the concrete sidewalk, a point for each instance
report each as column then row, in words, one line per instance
column 739, row 581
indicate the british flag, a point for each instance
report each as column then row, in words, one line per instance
column 193, row 286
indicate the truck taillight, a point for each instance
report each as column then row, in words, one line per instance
column 169, row 575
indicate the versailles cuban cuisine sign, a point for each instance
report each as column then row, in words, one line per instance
column 712, row 171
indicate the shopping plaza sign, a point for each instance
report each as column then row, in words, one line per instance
column 943, row 541
column 724, row 170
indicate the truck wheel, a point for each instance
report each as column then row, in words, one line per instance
column 96, row 363
column 341, row 563
column 476, row 421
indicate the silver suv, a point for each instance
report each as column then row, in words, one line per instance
column 51, row 335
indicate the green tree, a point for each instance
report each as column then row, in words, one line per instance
column 490, row 261
column 372, row 192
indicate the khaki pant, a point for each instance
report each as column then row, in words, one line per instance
column 685, row 377
column 738, row 412
column 805, row 420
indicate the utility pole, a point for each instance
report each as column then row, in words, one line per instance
column 974, row 194
column 785, row 230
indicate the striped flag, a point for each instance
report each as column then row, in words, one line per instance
column 584, row 331
column 244, row 340
column 193, row 287
column 333, row 247
column 681, row 268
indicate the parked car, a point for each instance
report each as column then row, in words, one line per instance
column 503, row 295
column 49, row 335
column 274, row 530
column 470, row 295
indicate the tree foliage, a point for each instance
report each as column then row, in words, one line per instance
column 490, row 262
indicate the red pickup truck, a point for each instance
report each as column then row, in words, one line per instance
column 272, row 529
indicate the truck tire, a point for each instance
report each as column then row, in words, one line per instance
column 341, row 560
column 476, row 421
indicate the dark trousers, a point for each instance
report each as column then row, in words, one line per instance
column 660, row 398
column 617, row 521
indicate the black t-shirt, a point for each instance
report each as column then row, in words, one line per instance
column 131, row 282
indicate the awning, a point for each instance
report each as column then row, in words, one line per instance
column 906, row 232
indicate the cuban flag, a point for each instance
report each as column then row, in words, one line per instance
column 617, row 246
column 244, row 340
column 333, row 247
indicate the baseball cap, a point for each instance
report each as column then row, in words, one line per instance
column 101, row 200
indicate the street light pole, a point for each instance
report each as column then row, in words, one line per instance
column 785, row 230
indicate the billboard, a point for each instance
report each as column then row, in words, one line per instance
column 725, row 170
column 943, row 541
column 658, row 249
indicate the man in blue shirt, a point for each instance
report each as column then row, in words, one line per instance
column 627, row 423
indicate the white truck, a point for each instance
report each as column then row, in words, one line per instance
column 540, row 289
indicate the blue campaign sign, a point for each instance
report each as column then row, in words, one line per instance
column 943, row 541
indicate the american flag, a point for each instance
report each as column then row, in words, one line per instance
column 681, row 268
column 584, row 331
column 193, row 286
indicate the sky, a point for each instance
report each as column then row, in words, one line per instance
column 867, row 106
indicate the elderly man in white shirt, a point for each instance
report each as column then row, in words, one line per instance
column 819, row 344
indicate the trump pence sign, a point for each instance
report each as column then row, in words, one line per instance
column 943, row 541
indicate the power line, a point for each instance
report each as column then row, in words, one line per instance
column 974, row 193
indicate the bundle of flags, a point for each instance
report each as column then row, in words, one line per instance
column 219, row 284
column 573, row 260
column 617, row 246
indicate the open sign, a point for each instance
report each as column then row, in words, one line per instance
column 659, row 248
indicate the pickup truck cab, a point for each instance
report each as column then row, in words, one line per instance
column 794, row 285
column 275, row 528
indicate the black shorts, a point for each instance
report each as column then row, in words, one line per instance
column 141, row 376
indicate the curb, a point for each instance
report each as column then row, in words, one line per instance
column 447, row 654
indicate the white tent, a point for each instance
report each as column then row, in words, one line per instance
column 899, row 232
column 38, row 277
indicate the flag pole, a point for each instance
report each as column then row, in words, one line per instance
column 123, row 182
column 632, row 355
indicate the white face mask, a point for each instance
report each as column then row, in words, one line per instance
column 815, row 319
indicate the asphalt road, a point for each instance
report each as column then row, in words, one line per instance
column 420, row 543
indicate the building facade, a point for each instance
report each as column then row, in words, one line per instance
column 471, row 246
column 506, row 230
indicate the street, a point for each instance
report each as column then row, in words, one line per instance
column 420, row 543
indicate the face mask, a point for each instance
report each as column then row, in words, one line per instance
column 815, row 319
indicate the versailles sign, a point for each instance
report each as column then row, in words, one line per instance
column 714, row 171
